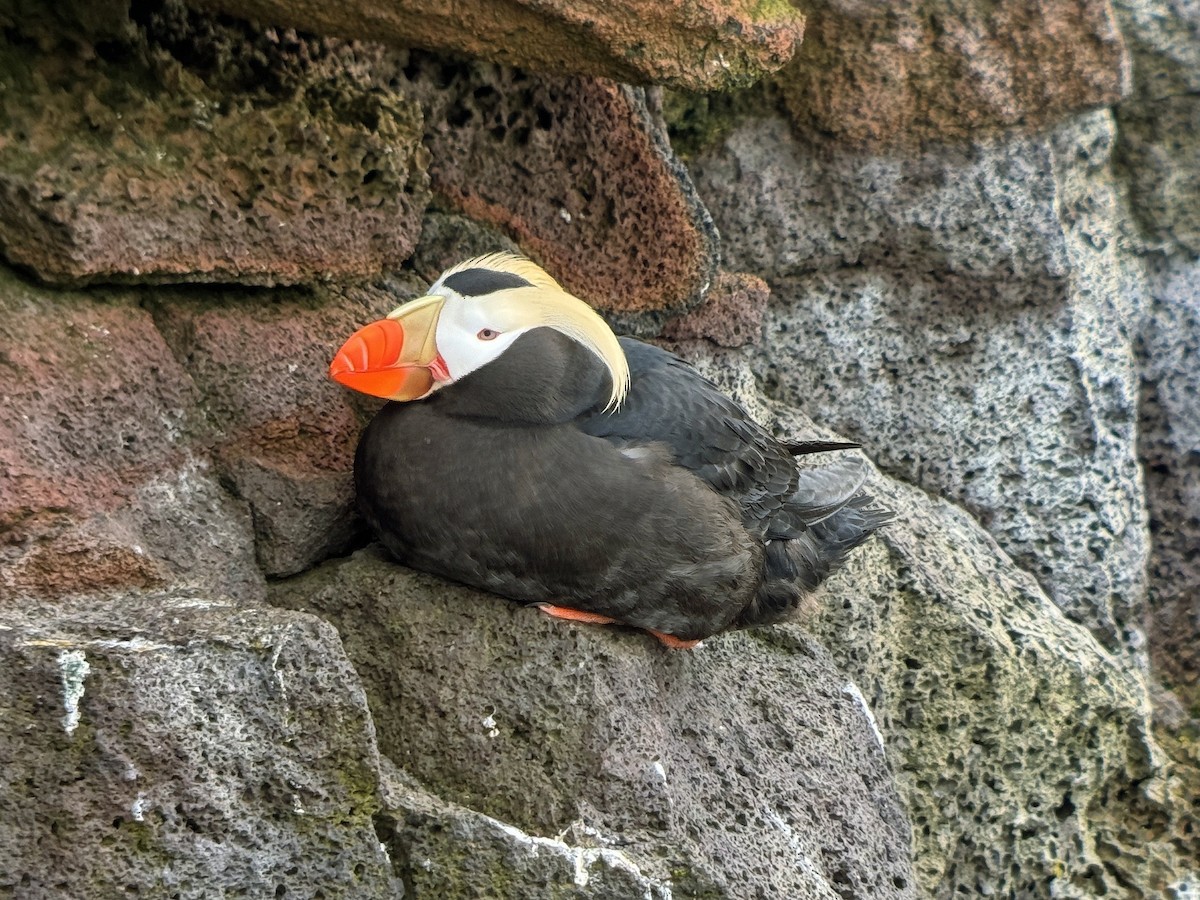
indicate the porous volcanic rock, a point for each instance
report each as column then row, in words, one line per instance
column 449, row 852
column 1158, row 156
column 731, row 314
column 900, row 74
column 1158, row 149
column 748, row 767
column 705, row 45
column 579, row 172
column 102, row 482
column 964, row 313
column 1170, row 447
column 175, row 746
column 198, row 150
column 284, row 433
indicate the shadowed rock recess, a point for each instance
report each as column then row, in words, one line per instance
column 961, row 233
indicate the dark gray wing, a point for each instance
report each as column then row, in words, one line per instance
column 669, row 402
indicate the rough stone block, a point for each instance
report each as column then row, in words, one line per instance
column 455, row 853
column 579, row 173
column 965, row 314
column 164, row 744
column 102, row 483
column 730, row 316
column 284, row 433
column 1170, row 449
column 900, row 74
column 198, row 150
column 706, row 45
column 748, row 766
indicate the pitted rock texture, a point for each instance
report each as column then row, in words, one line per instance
column 1158, row 155
column 731, row 314
column 173, row 746
column 964, row 314
column 747, row 768
column 204, row 151
column 448, row 238
column 1159, row 124
column 705, row 45
column 101, row 481
column 901, row 74
column 1170, row 446
column 284, row 432
column 449, row 852
column 579, row 173
column 1023, row 749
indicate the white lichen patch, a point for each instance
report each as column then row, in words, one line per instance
column 583, row 859
column 135, row 644
column 489, row 722
column 138, row 808
column 802, row 860
column 1187, row 888
column 74, row 668
column 851, row 690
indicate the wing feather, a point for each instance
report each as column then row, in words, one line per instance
column 670, row 403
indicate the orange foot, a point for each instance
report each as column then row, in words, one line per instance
column 578, row 615
column 672, row 642
column 575, row 615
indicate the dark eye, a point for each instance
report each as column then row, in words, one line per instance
column 487, row 334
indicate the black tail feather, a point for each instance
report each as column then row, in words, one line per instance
column 802, row 448
column 796, row 567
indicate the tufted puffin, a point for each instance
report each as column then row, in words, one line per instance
column 530, row 452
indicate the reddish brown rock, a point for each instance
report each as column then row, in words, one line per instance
column 942, row 69
column 578, row 172
column 731, row 314
column 79, row 562
column 286, row 433
column 100, row 482
column 200, row 151
column 701, row 45
column 95, row 403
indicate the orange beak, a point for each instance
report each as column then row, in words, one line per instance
column 395, row 358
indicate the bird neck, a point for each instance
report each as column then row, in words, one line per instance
column 544, row 378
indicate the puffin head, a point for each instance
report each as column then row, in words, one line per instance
column 471, row 315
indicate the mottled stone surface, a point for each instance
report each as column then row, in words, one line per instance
column 1022, row 748
column 197, row 150
column 101, row 484
column 731, row 314
column 450, row 852
column 284, row 433
column 167, row 745
column 900, row 74
column 705, row 45
column 1158, row 152
column 1158, row 156
column 1170, row 446
column 964, row 313
column 579, row 173
column 748, row 767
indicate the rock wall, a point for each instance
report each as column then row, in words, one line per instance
column 964, row 234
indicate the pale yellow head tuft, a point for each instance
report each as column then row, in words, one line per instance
column 545, row 303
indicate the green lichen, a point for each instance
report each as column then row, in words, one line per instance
column 773, row 11
column 698, row 123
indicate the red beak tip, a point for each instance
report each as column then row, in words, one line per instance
column 340, row 368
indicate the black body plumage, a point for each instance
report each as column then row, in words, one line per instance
column 676, row 512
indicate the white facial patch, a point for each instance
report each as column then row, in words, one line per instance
column 459, row 327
